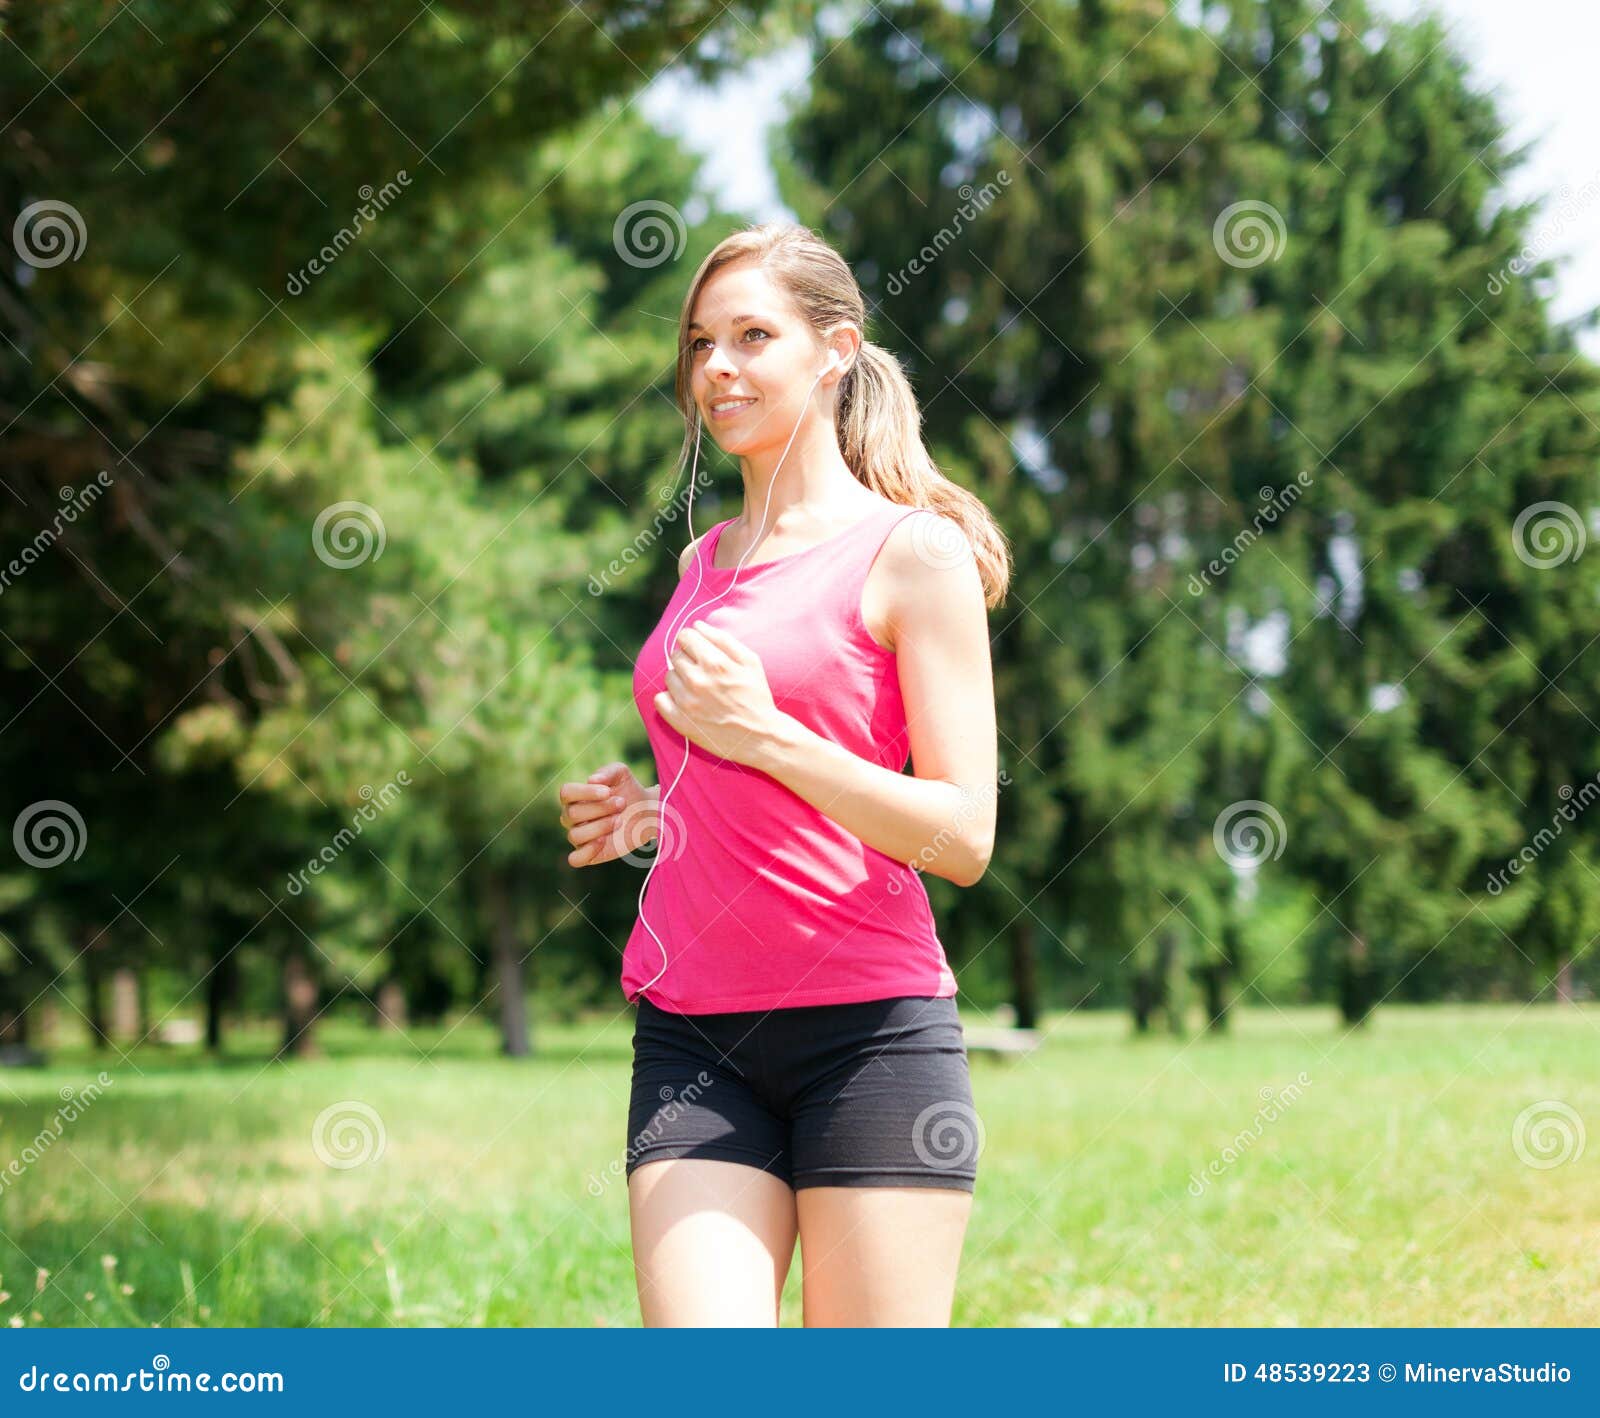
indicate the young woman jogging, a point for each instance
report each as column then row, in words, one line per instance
column 799, row 1065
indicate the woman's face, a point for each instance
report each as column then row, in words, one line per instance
column 750, row 348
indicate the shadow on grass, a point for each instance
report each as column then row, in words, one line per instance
column 187, row 1267
column 600, row 1039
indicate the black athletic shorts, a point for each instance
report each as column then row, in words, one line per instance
column 874, row 1094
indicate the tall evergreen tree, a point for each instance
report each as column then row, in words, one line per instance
column 312, row 185
column 1212, row 353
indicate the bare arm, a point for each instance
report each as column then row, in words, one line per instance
column 943, row 819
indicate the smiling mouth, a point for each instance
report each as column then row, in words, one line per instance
column 729, row 410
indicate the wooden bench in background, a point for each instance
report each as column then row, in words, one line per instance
column 1002, row 1043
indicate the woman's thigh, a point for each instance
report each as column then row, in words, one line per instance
column 880, row 1256
column 709, row 1198
column 884, row 1153
column 712, row 1242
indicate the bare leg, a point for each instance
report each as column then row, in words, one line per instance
column 712, row 1242
column 876, row 1256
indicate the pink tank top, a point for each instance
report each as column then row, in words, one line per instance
column 761, row 900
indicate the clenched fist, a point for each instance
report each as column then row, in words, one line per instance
column 608, row 816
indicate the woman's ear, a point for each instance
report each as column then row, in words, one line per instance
column 843, row 352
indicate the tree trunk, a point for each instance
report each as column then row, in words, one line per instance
column 1213, row 977
column 95, row 987
column 514, row 1040
column 389, row 1012
column 1564, row 990
column 221, row 983
column 13, row 1023
column 46, row 1023
column 1173, row 989
column 127, row 1021
column 15, row 994
column 1356, row 992
column 1024, row 974
column 1216, row 978
column 299, row 1007
column 1149, row 992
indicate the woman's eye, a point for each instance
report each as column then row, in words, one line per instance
column 694, row 345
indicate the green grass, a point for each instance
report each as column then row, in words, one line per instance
column 1388, row 1193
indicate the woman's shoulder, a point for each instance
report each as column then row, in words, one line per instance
column 926, row 545
column 687, row 555
column 924, row 573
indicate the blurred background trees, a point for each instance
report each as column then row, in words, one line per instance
column 366, row 341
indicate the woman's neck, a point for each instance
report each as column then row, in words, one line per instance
column 808, row 494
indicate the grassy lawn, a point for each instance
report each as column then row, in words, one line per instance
column 1389, row 1191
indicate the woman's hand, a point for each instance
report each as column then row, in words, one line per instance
column 608, row 816
column 717, row 694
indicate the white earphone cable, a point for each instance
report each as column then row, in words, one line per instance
column 672, row 640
